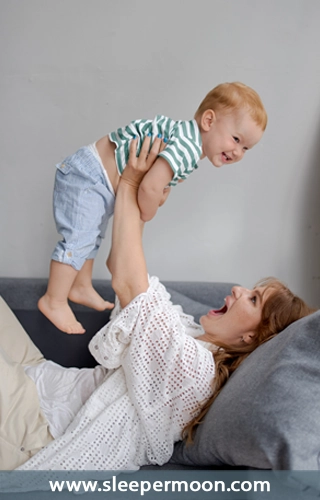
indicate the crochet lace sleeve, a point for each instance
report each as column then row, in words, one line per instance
column 168, row 373
column 148, row 309
column 109, row 345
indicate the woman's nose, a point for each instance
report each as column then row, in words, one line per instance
column 237, row 291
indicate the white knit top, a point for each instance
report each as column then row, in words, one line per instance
column 157, row 377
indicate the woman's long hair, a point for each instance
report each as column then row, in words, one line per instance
column 280, row 309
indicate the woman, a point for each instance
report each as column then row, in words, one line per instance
column 157, row 368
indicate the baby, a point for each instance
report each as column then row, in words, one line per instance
column 230, row 120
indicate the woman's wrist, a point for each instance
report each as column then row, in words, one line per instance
column 132, row 176
column 130, row 182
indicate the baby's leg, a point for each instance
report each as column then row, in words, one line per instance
column 54, row 304
column 82, row 291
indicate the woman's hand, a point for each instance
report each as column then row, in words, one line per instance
column 138, row 166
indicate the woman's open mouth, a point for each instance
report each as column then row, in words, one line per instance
column 219, row 312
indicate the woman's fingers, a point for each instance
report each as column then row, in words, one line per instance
column 133, row 148
column 131, row 174
column 137, row 166
column 154, row 151
column 163, row 145
column 132, row 160
column 144, row 152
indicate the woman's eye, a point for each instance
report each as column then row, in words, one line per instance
column 253, row 299
column 236, row 139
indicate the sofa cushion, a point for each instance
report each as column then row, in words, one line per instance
column 268, row 414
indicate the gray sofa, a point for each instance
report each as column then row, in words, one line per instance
column 266, row 417
column 22, row 294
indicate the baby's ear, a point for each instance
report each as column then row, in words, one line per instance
column 207, row 119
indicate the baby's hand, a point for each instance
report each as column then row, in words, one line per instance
column 165, row 195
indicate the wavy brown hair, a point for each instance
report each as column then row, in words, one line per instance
column 281, row 308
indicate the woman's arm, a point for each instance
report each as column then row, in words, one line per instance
column 127, row 261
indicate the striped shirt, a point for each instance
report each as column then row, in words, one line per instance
column 183, row 149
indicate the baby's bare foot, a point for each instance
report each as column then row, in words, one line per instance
column 87, row 296
column 60, row 314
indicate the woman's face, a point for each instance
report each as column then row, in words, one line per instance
column 236, row 322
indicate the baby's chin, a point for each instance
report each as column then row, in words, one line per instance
column 216, row 161
column 216, row 164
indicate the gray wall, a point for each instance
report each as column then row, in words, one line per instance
column 73, row 70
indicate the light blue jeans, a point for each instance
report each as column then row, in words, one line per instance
column 82, row 205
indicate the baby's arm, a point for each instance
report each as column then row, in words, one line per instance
column 150, row 194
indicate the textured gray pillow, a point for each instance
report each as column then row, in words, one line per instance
column 268, row 414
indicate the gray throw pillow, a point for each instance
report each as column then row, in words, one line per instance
column 268, row 414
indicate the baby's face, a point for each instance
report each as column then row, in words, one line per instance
column 229, row 136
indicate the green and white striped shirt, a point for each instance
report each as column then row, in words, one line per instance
column 183, row 149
